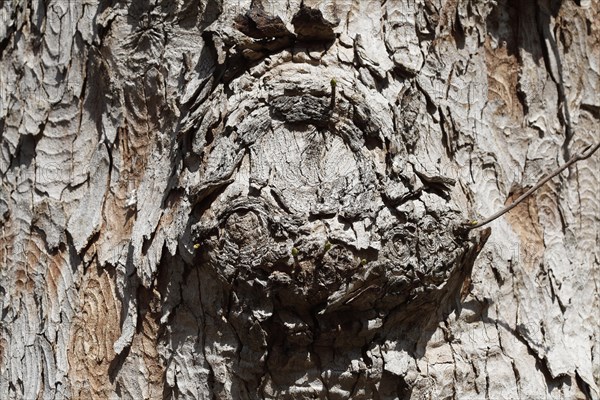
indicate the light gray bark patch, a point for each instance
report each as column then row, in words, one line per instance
column 51, row 219
column 86, row 219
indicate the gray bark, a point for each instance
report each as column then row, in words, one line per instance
column 269, row 200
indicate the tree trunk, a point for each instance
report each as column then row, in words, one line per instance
column 272, row 200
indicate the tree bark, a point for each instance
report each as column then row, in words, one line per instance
column 234, row 199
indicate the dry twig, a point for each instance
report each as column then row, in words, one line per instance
column 586, row 153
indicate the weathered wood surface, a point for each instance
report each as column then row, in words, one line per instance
column 226, row 200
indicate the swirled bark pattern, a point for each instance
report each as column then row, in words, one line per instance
column 265, row 199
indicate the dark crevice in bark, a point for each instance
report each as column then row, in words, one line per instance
column 117, row 363
column 310, row 25
column 594, row 110
column 550, row 52
column 102, row 29
column 541, row 362
column 447, row 127
column 9, row 35
column 458, row 32
column 583, row 386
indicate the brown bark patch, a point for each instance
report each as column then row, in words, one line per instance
column 22, row 256
column 257, row 24
column 145, row 343
column 55, row 280
column 95, row 328
column 524, row 220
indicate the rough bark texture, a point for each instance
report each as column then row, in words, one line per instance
column 232, row 200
